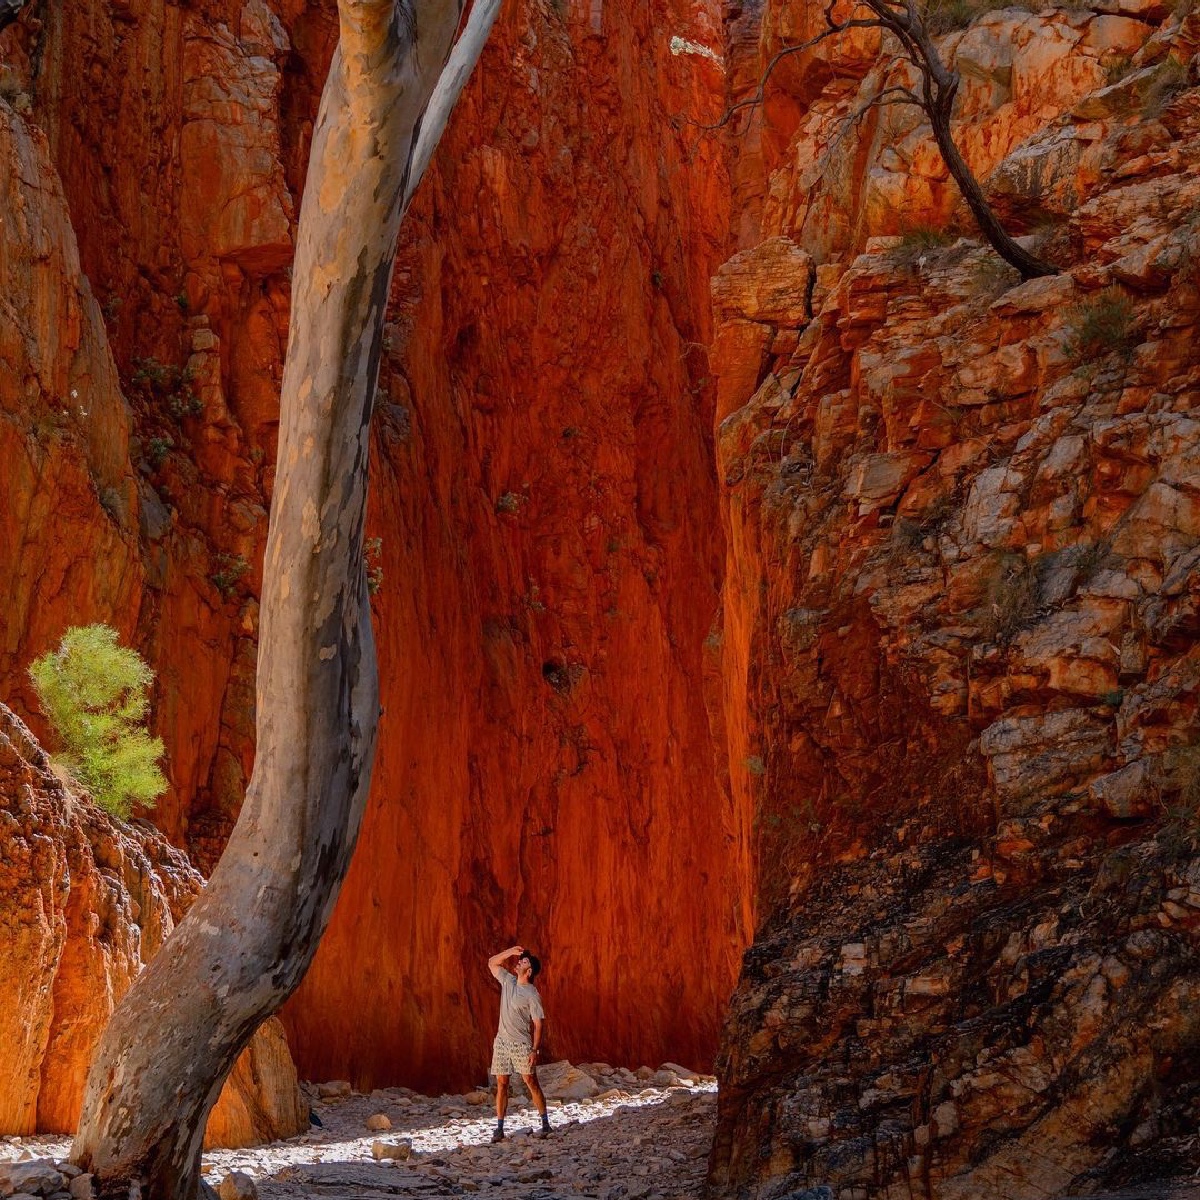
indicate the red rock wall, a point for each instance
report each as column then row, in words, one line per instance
column 543, row 495
column 85, row 902
column 959, row 638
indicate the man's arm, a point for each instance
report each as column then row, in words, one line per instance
column 537, row 1041
column 497, row 961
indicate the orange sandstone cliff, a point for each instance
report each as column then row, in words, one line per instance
column 85, row 901
column 543, row 496
column 960, row 623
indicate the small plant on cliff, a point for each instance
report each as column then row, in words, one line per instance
column 1117, row 68
column 918, row 245
column 230, row 569
column 96, row 693
column 1014, row 597
column 157, row 450
column 990, row 278
column 374, row 557
column 1168, row 81
column 944, row 16
column 1105, row 324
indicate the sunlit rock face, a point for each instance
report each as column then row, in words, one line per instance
column 68, row 542
column 960, row 630
column 176, row 137
column 85, row 902
column 549, row 550
column 543, row 494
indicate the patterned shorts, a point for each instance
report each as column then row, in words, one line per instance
column 509, row 1058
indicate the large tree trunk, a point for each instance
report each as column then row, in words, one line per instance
column 247, row 942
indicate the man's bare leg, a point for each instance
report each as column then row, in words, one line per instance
column 501, row 1106
column 539, row 1098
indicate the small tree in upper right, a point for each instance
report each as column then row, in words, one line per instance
column 934, row 94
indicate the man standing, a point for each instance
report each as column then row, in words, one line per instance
column 514, row 1051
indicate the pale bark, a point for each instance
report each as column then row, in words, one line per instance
column 454, row 78
column 248, row 940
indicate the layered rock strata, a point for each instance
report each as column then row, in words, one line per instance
column 85, row 901
column 960, row 642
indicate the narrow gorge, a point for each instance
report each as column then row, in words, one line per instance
column 787, row 617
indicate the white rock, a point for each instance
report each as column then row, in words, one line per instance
column 35, row 1177
column 562, row 1081
column 682, row 1072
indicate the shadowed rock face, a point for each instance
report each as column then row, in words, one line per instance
column 85, row 902
column 960, row 650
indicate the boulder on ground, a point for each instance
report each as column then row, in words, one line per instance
column 237, row 1186
column 396, row 1151
column 562, row 1081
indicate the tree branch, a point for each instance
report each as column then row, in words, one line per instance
column 760, row 92
column 883, row 99
column 453, row 79
column 245, row 944
column 939, row 86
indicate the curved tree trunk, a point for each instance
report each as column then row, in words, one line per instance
column 245, row 945
column 940, row 86
column 1006, row 246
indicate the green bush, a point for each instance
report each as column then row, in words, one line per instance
column 945, row 16
column 229, row 572
column 1105, row 324
column 96, row 693
column 920, row 242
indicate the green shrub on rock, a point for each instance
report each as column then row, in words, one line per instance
column 1105, row 324
column 96, row 692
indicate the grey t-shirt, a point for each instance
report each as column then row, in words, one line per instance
column 519, row 1004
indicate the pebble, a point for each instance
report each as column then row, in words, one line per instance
column 633, row 1139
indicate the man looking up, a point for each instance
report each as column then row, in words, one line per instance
column 514, row 1051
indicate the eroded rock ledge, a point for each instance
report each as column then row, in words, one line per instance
column 961, row 619
column 85, row 902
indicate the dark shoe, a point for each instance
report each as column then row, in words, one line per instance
column 498, row 1135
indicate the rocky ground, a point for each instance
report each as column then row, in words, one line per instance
column 641, row 1135
column 618, row 1135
